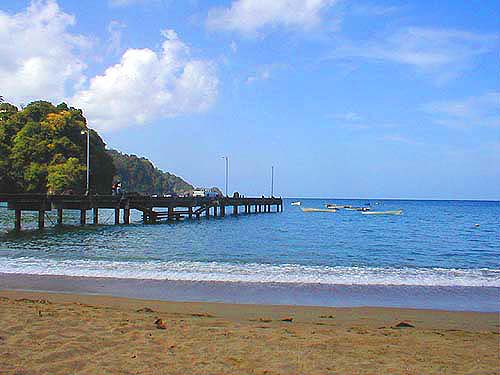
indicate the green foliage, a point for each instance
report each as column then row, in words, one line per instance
column 141, row 176
column 65, row 176
column 42, row 149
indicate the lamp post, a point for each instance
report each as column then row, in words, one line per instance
column 272, row 181
column 227, row 171
column 87, row 131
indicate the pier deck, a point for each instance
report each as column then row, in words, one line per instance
column 176, row 207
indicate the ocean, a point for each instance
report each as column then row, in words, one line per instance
column 434, row 255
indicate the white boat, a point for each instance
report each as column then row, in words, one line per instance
column 333, row 206
column 394, row 212
column 306, row 209
column 296, row 203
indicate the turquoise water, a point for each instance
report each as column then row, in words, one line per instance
column 434, row 243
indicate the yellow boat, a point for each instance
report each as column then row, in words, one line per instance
column 395, row 212
column 305, row 209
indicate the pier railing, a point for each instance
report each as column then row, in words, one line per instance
column 176, row 207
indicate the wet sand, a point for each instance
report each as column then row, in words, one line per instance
column 46, row 333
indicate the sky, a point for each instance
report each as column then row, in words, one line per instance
column 346, row 99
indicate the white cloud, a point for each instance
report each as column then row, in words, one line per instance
column 444, row 52
column 38, row 54
column 115, row 36
column 483, row 110
column 348, row 116
column 265, row 72
column 233, row 46
column 250, row 16
column 119, row 3
column 147, row 85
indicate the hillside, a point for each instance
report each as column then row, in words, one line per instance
column 140, row 175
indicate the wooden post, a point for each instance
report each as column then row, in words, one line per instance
column 17, row 223
column 59, row 216
column 223, row 210
column 126, row 216
column 190, row 212
column 170, row 213
column 145, row 217
column 207, row 212
column 235, row 210
column 83, row 216
column 41, row 220
column 255, row 209
column 117, row 216
column 96, row 215
column 215, row 211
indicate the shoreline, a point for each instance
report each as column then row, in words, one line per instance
column 449, row 298
column 87, row 334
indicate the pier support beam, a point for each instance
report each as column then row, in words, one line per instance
column 126, row 216
column 215, row 211
column 117, row 216
column 235, row 210
column 41, row 220
column 190, row 212
column 17, row 223
column 83, row 217
column 59, row 216
column 96, row 216
column 170, row 213
column 223, row 210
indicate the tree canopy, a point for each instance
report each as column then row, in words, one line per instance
column 42, row 149
column 140, row 175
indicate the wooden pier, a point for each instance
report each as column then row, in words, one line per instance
column 154, row 209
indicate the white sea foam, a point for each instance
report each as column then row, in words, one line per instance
column 261, row 273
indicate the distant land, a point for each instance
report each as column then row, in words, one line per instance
column 138, row 174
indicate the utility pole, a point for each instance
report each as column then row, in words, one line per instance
column 227, row 172
column 87, row 131
column 272, row 181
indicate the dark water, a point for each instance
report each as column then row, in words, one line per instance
column 434, row 243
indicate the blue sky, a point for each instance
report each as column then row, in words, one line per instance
column 369, row 99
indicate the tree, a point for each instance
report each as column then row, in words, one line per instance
column 42, row 149
column 66, row 176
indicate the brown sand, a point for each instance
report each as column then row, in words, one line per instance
column 43, row 333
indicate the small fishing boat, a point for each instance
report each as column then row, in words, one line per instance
column 296, row 203
column 306, row 209
column 358, row 209
column 333, row 206
column 394, row 212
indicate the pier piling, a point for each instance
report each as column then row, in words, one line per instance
column 59, row 216
column 177, row 207
column 18, row 221
column 96, row 215
column 83, row 216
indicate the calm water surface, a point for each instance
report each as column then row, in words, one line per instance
column 434, row 243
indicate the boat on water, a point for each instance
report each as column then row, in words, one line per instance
column 336, row 206
column 363, row 209
column 333, row 206
column 394, row 212
column 308, row 209
column 296, row 203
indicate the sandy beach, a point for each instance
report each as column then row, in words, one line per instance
column 45, row 333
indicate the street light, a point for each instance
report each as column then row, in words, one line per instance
column 87, row 131
column 272, row 181
column 227, row 171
